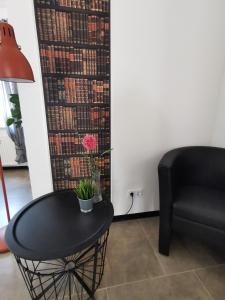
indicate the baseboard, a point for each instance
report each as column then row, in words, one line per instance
column 147, row 214
column 14, row 167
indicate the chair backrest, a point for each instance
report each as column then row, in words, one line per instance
column 201, row 166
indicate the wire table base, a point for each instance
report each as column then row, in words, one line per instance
column 74, row 277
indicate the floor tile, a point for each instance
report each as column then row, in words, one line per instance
column 204, row 254
column 18, row 191
column 185, row 255
column 213, row 279
column 129, row 255
column 196, row 254
column 181, row 287
column 101, row 295
column 126, row 232
column 12, row 286
column 135, row 270
column 150, row 227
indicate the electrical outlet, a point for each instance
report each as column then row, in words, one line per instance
column 137, row 193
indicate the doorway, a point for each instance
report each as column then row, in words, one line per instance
column 13, row 153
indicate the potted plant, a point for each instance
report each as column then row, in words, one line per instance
column 15, row 129
column 85, row 192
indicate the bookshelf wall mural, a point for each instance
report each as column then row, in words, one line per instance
column 74, row 43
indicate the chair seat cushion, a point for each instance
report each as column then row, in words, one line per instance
column 200, row 204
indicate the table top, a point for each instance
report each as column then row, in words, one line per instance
column 52, row 227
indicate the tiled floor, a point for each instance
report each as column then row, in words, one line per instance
column 134, row 270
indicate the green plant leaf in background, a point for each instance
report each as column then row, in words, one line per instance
column 16, row 117
column 10, row 121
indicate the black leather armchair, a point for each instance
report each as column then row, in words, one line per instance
column 192, row 195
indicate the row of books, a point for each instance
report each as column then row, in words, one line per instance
column 70, row 60
column 82, row 118
column 68, row 144
column 75, row 43
column 62, row 184
column 76, row 90
column 61, row 168
column 72, row 27
column 71, row 143
column 76, row 167
column 94, row 5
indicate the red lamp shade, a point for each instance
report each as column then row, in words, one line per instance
column 14, row 66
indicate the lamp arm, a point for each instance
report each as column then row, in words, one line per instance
column 4, row 190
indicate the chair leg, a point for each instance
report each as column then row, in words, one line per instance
column 164, row 241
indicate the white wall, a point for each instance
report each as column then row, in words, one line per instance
column 218, row 137
column 3, row 11
column 21, row 17
column 167, row 63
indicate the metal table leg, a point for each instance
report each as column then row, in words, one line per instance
column 79, row 274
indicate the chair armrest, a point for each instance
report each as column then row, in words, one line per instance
column 166, row 173
column 166, row 170
column 170, row 157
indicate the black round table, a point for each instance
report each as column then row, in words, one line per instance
column 59, row 250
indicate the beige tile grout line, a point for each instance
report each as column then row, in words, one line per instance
column 179, row 272
column 157, row 258
column 209, row 266
column 145, row 279
column 126, row 283
column 150, row 278
column 203, row 286
column 107, row 294
column 104, row 289
column 188, row 271
column 172, row 274
column 165, row 274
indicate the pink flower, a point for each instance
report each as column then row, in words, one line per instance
column 89, row 142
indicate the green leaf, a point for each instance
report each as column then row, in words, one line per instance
column 14, row 98
column 85, row 190
column 16, row 114
column 10, row 121
column 15, row 110
column 106, row 151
